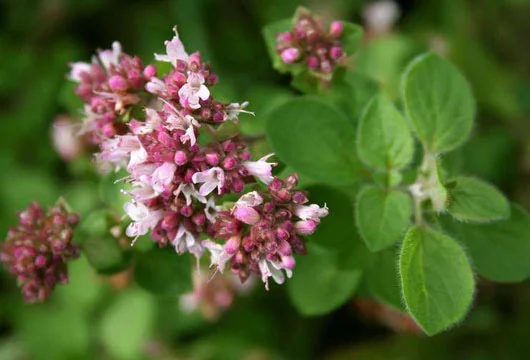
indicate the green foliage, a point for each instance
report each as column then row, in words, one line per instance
column 315, row 139
column 436, row 279
column 382, row 216
column 476, row 201
column 383, row 139
column 383, row 280
column 161, row 272
column 319, row 285
column 439, row 103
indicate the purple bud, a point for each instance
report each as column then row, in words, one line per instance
column 229, row 163
column 305, row 227
column 186, row 211
column 290, row 55
column 218, row 116
column 181, row 157
column 285, row 249
column 312, row 62
column 285, row 37
column 237, row 185
column 40, row 261
column 282, row 234
column 336, row 52
column 149, row 71
column 247, row 215
column 336, row 28
column 118, row 83
column 299, row 197
column 213, row 158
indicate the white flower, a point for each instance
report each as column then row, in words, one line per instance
column 143, row 218
column 188, row 190
column 273, row 269
column 177, row 121
column 211, row 209
column 261, row 168
column 380, row 16
column 156, row 86
column 234, row 109
column 185, row 240
column 142, row 191
column 251, row 199
column 311, row 212
column 111, row 56
column 193, row 90
column 77, row 69
column 219, row 256
column 211, row 179
column 174, row 50
column 122, row 148
column 163, row 176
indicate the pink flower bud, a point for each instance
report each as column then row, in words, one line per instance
column 285, row 248
column 312, row 62
column 181, row 157
column 282, row 234
column 213, row 158
column 290, row 55
column 285, row 37
column 232, row 245
column 336, row 29
column 149, row 71
column 118, row 83
column 336, row 52
column 305, row 227
column 247, row 215
column 229, row 163
column 288, row 262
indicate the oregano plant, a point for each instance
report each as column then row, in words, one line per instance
column 342, row 190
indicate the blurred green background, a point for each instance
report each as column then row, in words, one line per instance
column 99, row 318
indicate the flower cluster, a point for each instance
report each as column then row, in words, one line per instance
column 110, row 85
column 264, row 230
column 312, row 44
column 36, row 251
column 176, row 182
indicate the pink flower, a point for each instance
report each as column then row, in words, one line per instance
column 174, row 50
column 185, row 240
column 163, row 176
column 193, row 90
column 311, row 212
column 252, row 199
column 143, row 218
column 141, row 191
column 111, row 56
column 188, row 190
column 336, row 28
column 65, row 139
column 77, row 69
column 261, row 168
column 156, row 86
column 211, row 179
column 246, row 214
column 305, row 227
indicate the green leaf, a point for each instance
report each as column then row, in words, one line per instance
column 314, row 138
column 102, row 249
column 270, row 33
column 384, row 140
column 382, row 217
column 318, row 285
column 436, row 279
column 127, row 325
column 476, row 201
column 439, row 102
column 351, row 37
column 382, row 279
column 500, row 250
column 163, row 272
column 336, row 232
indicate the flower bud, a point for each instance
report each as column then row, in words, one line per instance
column 149, row 71
column 288, row 262
column 181, row 157
column 336, row 29
column 336, row 52
column 290, row 55
column 118, row 83
column 312, row 62
column 247, row 215
column 305, row 227
column 232, row 245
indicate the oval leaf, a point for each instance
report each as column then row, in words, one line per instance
column 500, row 250
column 383, row 279
column 384, row 140
column 436, row 279
column 351, row 37
column 439, row 102
column 315, row 139
column 163, row 272
column 318, row 285
column 474, row 200
column 382, row 217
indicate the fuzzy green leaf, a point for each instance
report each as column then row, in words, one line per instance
column 315, row 139
column 383, row 279
column 384, row 140
column 382, row 217
column 436, row 279
column 476, row 201
column 439, row 102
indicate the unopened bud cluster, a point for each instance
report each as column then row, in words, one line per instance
column 312, row 43
column 37, row 249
